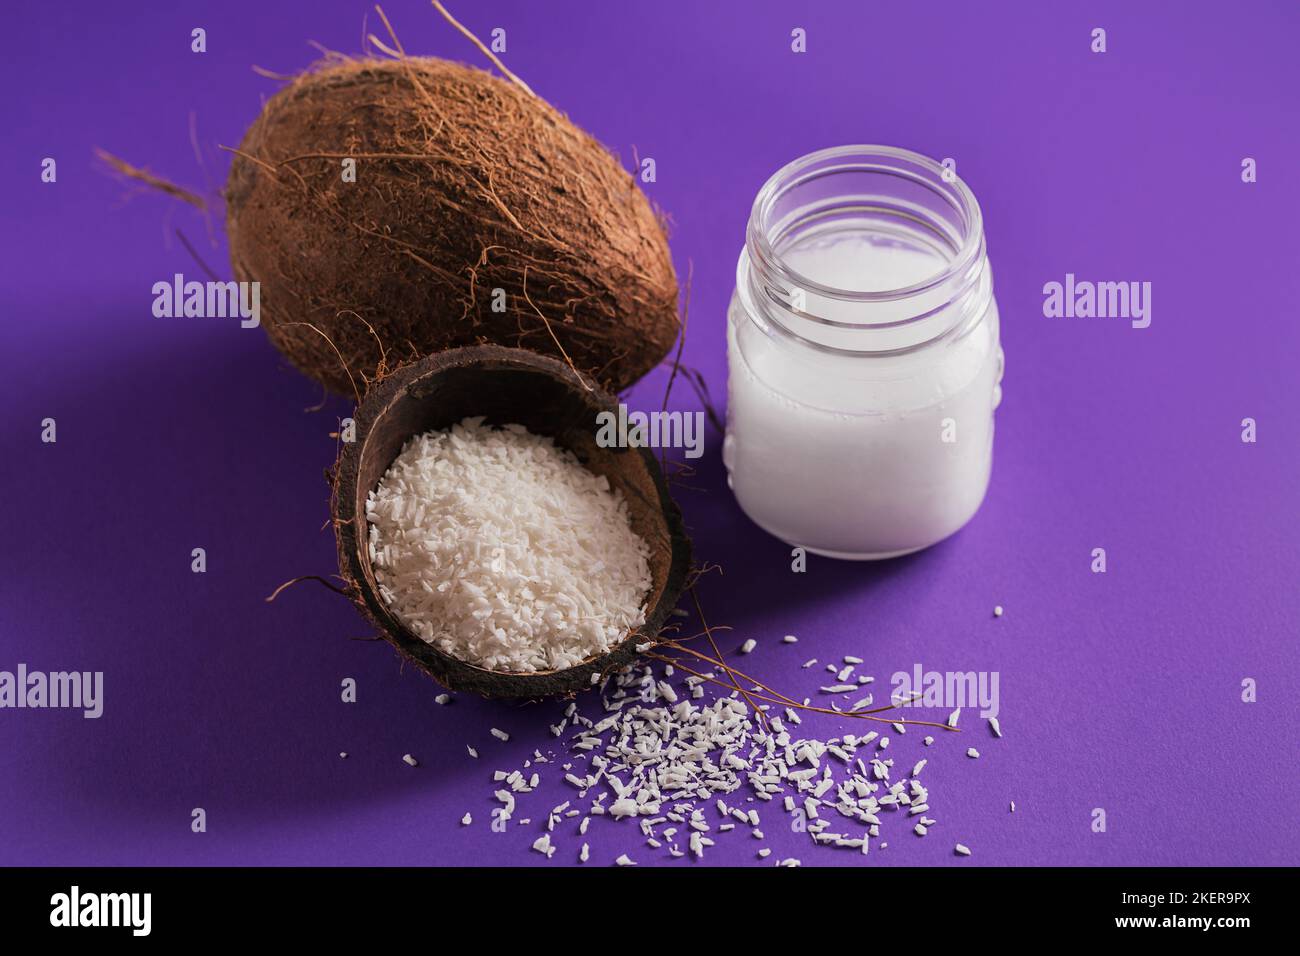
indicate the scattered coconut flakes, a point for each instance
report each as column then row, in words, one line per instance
column 410, row 761
column 997, row 611
column 953, row 717
column 962, row 850
column 343, row 754
column 972, row 753
column 472, row 752
column 748, row 646
column 995, row 727
column 809, row 663
column 500, row 734
column 543, row 845
column 443, row 699
column 466, row 820
column 929, row 740
column 790, row 639
column 657, row 760
column 625, row 860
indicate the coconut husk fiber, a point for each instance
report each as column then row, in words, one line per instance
column 507, row 386
column 465, row 184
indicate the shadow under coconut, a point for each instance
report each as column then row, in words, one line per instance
column 213, row 698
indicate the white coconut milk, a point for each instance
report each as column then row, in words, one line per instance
column 863, row 380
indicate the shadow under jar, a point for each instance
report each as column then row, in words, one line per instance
column 864, row 363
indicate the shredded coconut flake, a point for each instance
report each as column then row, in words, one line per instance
column 501, row 549
column 676, row 774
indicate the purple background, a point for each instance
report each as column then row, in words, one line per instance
column 1119, row 691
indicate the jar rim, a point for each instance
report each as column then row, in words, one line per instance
column 889, row 160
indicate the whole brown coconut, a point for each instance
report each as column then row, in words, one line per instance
column 465, row 184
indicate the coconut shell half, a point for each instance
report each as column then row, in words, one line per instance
column 506, row 386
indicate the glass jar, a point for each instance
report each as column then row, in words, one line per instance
column 863, row 355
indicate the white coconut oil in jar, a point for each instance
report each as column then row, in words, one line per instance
column 863, row 355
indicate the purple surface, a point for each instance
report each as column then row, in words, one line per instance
column 1120, row 691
